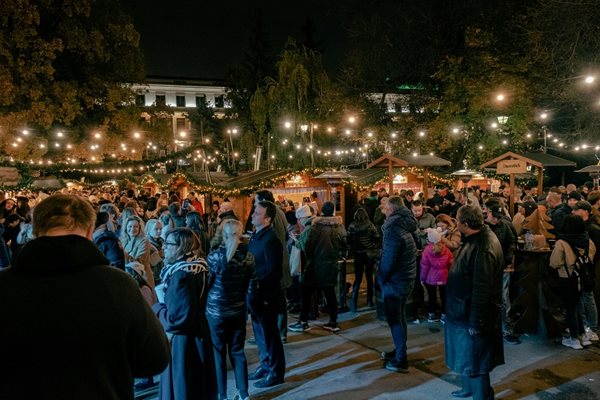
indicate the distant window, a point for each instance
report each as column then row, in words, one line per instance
column 219, row 101
column 161, row 100
column 180, row 101
column 180, row 124
column 201, row 101
column 140, row 100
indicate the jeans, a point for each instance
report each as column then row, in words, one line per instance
column 268, row 340
column 228, row 336
column 362, row 264
column 587, row 308
column 506, row 328
column 329, row 293
column 395, row 313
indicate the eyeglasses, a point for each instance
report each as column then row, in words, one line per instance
column 170, row 244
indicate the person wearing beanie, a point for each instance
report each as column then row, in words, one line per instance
column 435, row 264
column 587, row 303
column 449, row 205
column 108, row 242
column 324, row 246
column 573, row 198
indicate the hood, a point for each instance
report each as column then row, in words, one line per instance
column 578, row 240
column 58, row 253
column 405, row 219
column 328, row 221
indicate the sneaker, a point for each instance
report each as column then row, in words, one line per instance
column 332, row 326
column 388, row 355
column 591, row 335
column 299, row 327
column 443, row 319
column 396, row 366
column 511, row 339
column 585, row 341
column 432, row 318
column 415, row 321
column 572, row 343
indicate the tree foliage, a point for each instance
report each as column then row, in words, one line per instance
column 66, row 62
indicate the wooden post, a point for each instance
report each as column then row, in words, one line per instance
column 390, row 178
column 540, row 181
column 512, row 196
column 425, row 183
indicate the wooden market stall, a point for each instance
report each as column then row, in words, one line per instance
column 408, row 179
column 426, row 162
column 388, row 161
column 512, row 164
column 289, row 184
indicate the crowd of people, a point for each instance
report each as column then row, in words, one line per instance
column 201, row 274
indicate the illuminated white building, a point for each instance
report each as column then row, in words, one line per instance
column 182, row 95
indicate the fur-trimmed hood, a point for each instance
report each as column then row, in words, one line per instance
column 334, row 220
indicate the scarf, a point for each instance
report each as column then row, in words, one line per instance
column 190, row 263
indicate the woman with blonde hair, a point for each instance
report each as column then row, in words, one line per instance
column 153, row 230
column 136, row 245
column 232, row 277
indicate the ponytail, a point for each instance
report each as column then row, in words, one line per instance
column 232, row 231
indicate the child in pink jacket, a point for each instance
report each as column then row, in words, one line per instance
column 435, row 263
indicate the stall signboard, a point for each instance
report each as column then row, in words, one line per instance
column 511, row 167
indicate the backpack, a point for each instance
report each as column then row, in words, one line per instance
column 582, row 271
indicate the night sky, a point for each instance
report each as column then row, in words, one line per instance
column 204, row 39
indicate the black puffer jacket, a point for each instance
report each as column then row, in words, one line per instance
column 230, row 282
column 362, row 237
column 326, row 244
column 110, row 245
column 398, row 264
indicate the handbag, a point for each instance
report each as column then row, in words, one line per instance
column 295, row 261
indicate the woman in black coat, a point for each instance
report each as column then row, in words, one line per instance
column 232, row 277
column 181, row 311
column 362, row 238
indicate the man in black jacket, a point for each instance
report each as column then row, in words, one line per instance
column 78, row 328
column 268, row 252
column 473, row 334
column 396, row 275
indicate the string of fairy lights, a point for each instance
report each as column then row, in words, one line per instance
column 96, row 154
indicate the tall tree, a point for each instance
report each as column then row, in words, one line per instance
column 564, row 44
column 66, row 61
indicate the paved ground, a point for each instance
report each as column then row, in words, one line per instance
column 347, row 365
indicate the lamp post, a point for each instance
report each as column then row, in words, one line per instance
column 594, row 171
column 465, row 176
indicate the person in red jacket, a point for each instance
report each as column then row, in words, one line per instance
column 435, row 263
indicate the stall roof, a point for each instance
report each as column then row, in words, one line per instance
column 548, row 160
column 536, row 159
column 370, row 176
column 253, row 178
column 383, row 162
column 425, row 160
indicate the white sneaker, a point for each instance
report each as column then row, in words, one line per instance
column 591, row 335
column 585, row 341
column 572, row 343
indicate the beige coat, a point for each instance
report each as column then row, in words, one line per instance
column 563, row 255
